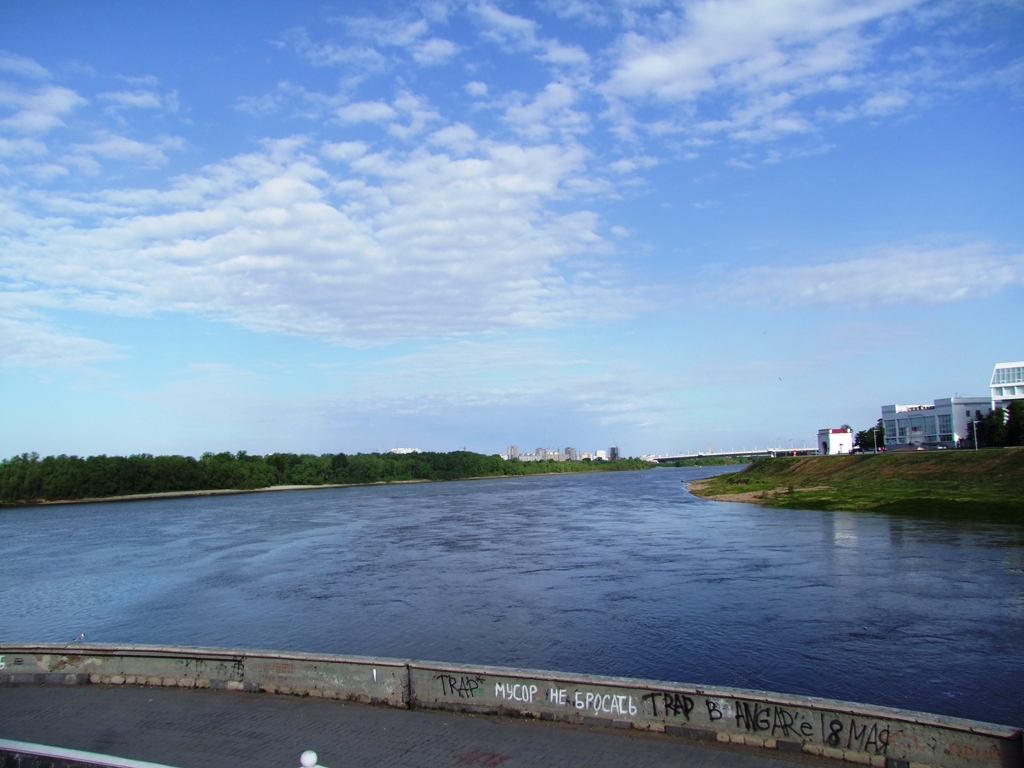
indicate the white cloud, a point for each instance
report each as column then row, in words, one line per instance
column 434, row 51
column 517, row 33
column 39, row 345
column 37, row 111
column 21, row 147
column 888, row 276
column 407, row 245
column 258, row 106
column 144, row 154
column 476, row 88
column 585, row 10
column 366, row 112
column 506, row 29
column 417, row 111
column 45, row 172
column 886, row 103
column 459, row 137
column 761, row 58
column 329, row 55
column 22, row 65
column 140, row 99
column 303, row 102
column 630, row 164
column 137, row 99
column 343, row 150
column 558, row 54
column 552, row 109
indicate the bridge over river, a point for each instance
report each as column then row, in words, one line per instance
column 767, row 452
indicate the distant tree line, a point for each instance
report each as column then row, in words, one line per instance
column 27, row 477
column 1000, row 428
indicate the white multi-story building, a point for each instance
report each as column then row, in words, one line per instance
column 542, row 454
column 943, row 423
column 835, row 441
column 1007, row 383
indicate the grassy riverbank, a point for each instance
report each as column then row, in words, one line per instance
column 28, row 479
column 987, row 484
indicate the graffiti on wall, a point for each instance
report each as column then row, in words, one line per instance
column 776, row 721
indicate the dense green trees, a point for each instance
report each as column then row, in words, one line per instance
column 30, row 478
column 999, row 428
column 871, row 438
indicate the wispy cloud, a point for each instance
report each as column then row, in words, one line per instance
column 141, row 98
column 404, row 246
column 37, row 344
column 111, row 146
column 889, row 276
column 22, row 65
column 330, row 54
column 756, row 70
column 36, row 110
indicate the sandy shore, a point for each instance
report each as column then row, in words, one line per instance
column 217, row 492
column 234, row 491
column 750, row 497
column 181, row 494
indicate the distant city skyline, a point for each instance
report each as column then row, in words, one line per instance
column 342, row 227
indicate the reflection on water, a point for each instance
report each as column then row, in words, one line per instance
column 844, row 531
column 612, row 573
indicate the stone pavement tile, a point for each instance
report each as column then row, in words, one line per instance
column 199, row 728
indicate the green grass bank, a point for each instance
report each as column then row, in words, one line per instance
column 986, row 484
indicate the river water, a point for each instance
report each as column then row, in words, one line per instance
column 605, row 573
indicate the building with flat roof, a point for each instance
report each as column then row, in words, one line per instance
column 1007, row 383
column 835, row 441
column 944, row 423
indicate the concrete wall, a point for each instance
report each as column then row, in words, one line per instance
column 864, row 734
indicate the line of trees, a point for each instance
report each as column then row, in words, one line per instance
column 1000, row 428
column 28, row 477
column 871, row 438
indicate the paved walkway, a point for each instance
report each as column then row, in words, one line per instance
column 202, row 728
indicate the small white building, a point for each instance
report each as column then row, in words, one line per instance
column 1007, row 383
column 835, row 441
column 943, row 423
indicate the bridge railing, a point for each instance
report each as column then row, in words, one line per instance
column 17, row 754
column 883, row 737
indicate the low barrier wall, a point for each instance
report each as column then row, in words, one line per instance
column 879, row 736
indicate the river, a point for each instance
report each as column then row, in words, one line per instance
column 622, row 573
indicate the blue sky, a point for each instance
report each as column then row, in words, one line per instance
column 352, row 227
